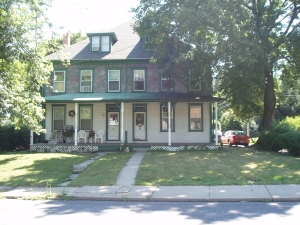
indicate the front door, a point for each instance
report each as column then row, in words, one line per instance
column 113, row 126
column 139, row 118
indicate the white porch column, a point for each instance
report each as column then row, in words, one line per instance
column 216, row 123
column 169, row 124
column 31, row 137
column 76, row 123
column 122, row 122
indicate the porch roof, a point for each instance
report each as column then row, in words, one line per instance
column 130, row 97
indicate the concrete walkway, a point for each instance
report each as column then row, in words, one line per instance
column 124, row 190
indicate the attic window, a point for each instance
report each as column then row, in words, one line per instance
column 95, row 43
column 105, row 44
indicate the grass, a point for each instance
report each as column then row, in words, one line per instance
column 228, row 167
column 232, row 166
column 38, row 169
column 103, row 171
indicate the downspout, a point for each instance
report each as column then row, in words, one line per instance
column 76, row 123
column 169, row 124
column 216, row 123
column 122, row 122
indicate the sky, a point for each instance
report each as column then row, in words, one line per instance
column 89, row 15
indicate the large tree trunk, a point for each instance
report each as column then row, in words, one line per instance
column 269, row 101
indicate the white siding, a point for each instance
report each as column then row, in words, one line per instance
column 154, row 135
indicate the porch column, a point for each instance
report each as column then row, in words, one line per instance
column 169, row 123
column 31, row 137
column 216, row 123
column 76, row 123
column 122, row 122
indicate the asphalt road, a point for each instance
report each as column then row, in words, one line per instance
column 13, row 211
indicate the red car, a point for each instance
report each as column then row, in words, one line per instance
column 235, row 137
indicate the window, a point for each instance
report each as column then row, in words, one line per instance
column 86, row 80
column 194, row 82
column 114, row 80
column 59, row 81
column 58, row 117
column 167, row 83
column 85, row 117
column 195, row 117
column 164, row 117
column 105, row 44
column 95, row 43
column 139, row 80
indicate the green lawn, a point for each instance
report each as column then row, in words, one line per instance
column 37, row 169
column 233, row 166
column 237, row 166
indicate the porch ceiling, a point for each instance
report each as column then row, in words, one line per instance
column 130, row 97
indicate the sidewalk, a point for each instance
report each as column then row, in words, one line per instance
column 124, row 190
column 164, row 193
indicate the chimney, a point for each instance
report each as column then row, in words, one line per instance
column 66, row 39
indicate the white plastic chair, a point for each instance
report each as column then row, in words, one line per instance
column 99, row 135
column 82, row 135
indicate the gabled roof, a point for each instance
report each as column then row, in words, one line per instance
column 128, row 46
column 130, row 97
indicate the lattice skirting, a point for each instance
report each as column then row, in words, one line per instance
column 184, row 148
column 63, row 148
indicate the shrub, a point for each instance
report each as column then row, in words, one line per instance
column 12, row 139
column 285, row 134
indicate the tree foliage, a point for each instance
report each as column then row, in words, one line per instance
column 22, row 68
column 241, row 42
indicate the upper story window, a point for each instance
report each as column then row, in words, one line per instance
column 167, row 82
column 95, row 43
column 59, row 80
column 113, row 80
column 105, row 44
column 194, row 82
column 139, row 80
column 86, row 80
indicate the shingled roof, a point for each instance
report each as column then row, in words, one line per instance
column 129, row 46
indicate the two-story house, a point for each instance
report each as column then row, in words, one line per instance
column 111, row 85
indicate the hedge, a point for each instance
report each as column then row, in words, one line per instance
column 12, row 139
column 285, row 134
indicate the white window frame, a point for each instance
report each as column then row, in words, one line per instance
column 57, row 82
column 105, row 43
column 82, row 108
column 86, row 85
column 54, row 117
column 95, row 43
column 110, row 80
column 164, row 117
column 139, row 75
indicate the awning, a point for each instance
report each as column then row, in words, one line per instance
column 130, row 97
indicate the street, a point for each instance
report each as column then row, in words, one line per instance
column 14, row 211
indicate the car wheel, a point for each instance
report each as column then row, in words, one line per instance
column 229, row 143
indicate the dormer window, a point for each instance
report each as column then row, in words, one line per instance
column 102, row 42
column 105, row 44
column 95, row 43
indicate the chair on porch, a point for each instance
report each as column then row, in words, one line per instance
column 99, row 135
column 82, row 135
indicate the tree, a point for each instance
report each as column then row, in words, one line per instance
column 242, row 41
column 22, row 68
